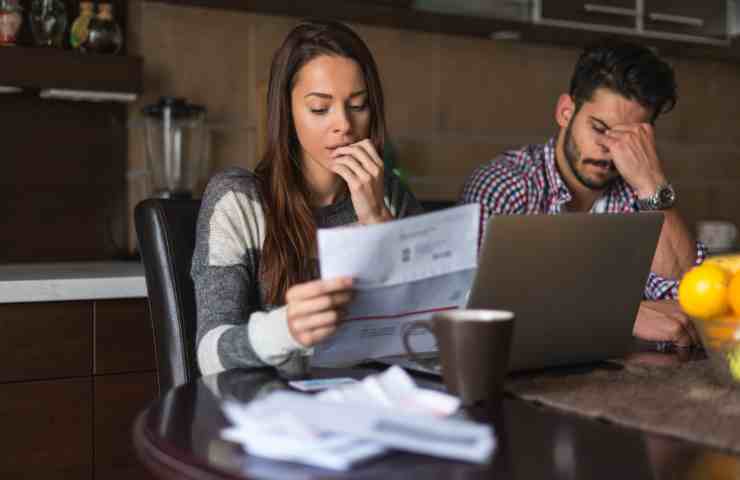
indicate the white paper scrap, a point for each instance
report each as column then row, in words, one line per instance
column 274, row 432
column 285, row 437
column 394, row 388
column 442, row 437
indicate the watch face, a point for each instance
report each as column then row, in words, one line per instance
column 667, row 196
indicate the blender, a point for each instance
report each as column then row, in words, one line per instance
column 175, row 146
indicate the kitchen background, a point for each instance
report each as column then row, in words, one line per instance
column 77, row 336
column 453, row 101
column 75, row 170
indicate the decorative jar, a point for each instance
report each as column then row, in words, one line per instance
column 11, row 19
column 78, row 32
column 103, row 33
column 48, row 22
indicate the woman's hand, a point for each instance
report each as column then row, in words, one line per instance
column 315, row 309
column 362, row 168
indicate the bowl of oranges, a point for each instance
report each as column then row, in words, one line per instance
column 710, row 294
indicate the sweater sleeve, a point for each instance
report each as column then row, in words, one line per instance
column 234, row 328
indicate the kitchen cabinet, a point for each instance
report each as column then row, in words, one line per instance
column 686, row 20
column 553, row 22
column 59, row 149
column 54, row 148
column 42, row 341
column 53, row 68
column 119, row 398
column 74, row 375
column 611, row 13
column 706, row 18
column 47, row 429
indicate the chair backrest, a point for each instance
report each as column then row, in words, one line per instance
column 166, row 233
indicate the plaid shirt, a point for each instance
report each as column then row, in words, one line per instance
column 527, row 181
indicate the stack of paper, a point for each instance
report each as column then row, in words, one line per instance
column 340, row 427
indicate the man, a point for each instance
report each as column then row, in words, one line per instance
column 604, row 159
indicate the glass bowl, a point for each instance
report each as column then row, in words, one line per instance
column 721, row 339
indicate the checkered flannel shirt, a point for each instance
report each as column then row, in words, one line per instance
column 527, row 181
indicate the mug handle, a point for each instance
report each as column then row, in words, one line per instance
column 410, row 328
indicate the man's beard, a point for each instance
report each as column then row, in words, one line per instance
column 573, row 153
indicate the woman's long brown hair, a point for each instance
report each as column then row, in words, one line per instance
column 290, row 239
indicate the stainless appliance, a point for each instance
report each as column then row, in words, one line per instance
column 175, row 146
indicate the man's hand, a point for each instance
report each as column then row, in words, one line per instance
column 663, row 320
column 632, row 147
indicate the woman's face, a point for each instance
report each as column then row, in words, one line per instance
column 330, row 109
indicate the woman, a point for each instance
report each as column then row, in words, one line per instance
column 255, row 268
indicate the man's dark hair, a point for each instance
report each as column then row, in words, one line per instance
column 630, row 70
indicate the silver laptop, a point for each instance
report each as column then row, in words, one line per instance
column 574, row 282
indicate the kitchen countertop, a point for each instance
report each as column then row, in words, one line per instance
column 54, row 282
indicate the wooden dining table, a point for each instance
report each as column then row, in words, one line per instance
column 178, row 436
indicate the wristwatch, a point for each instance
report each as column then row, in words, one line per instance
column 663, row 198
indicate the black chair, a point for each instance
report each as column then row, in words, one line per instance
column 166, row 233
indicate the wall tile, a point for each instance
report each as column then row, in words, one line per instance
column 499, row 87
column 409, row 66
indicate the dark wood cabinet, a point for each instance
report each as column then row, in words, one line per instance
column 59, row 149
column 45, row 340
column 707, row 18
column 678, row 20
column 38, row 68
column 118, row 399
column 610, row 13
column 73, row 375
column 123, row 337
column 47, row 429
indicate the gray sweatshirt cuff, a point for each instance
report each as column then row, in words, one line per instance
column 270, row 337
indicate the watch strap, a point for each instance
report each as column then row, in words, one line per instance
column 663, row 198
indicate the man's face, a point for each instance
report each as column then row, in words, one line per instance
column 586, row 155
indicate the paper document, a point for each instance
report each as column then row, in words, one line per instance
column 383, row 427
column 404, row 270
column 348, row 424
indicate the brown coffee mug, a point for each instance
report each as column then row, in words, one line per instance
column 474, row 348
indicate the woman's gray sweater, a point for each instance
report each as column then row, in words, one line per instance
column 235, row 326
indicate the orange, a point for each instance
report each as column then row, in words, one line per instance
column 716, row 465
column 722, row 329
column 702, row 292
column 729, row 262
column 734, row 293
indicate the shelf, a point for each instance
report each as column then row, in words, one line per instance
column 399, row 14
column 48, row 68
